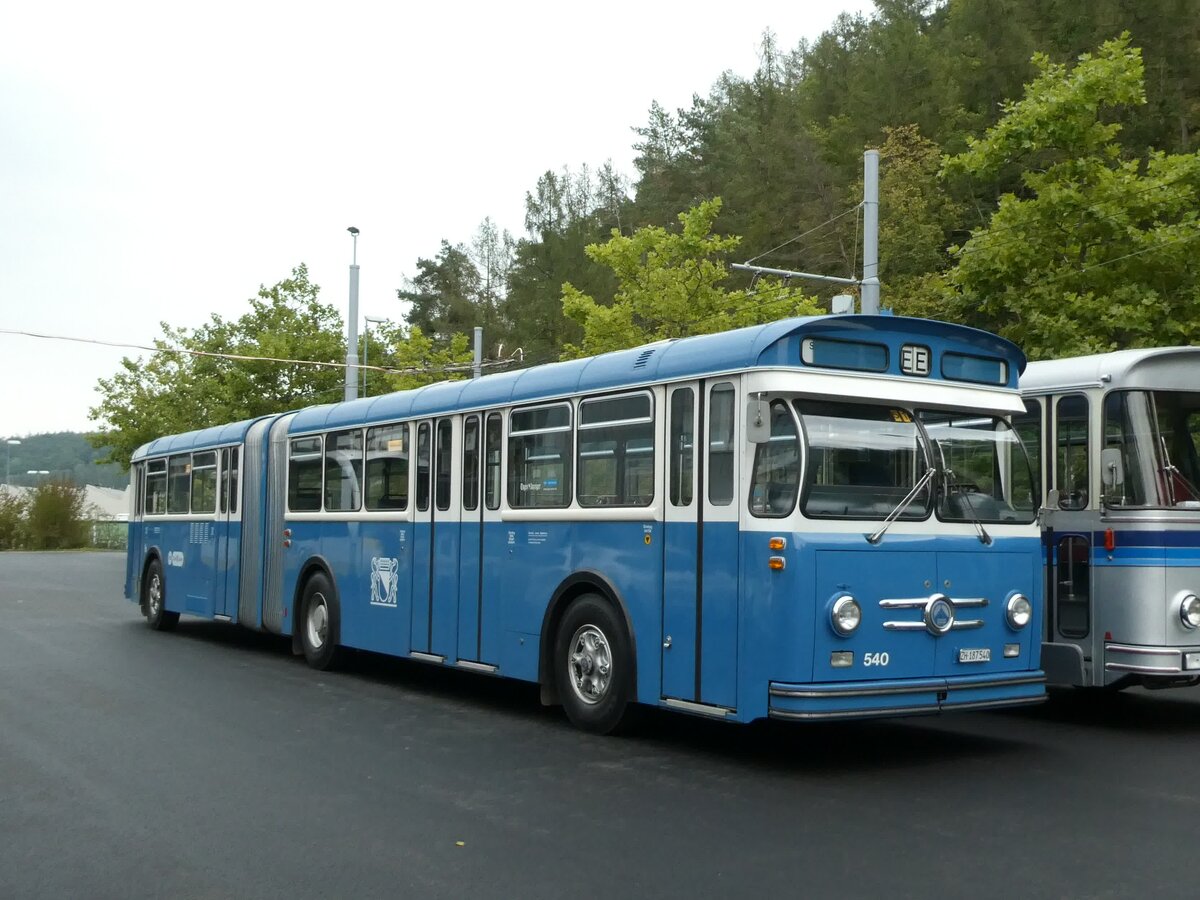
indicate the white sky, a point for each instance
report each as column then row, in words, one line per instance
column 159, row 161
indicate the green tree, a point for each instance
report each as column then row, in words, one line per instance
column 670, row 286
column 443, row 296
column 55, row 516
column 1096, row 251
column 180, row 388
column 14, row 508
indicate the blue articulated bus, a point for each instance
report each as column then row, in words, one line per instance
column 817, row 518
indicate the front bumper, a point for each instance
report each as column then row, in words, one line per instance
column 905, row 697
column 1138, row 659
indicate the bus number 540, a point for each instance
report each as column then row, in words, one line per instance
column 875, row 659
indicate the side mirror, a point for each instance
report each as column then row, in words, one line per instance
column 758, row 421
column 1112, row 467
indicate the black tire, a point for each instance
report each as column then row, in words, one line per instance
column 593, row 665
column 154, row 599
column 320, row 622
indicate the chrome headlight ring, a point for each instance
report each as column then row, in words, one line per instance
column 1189, row 610
column 1018, row 611
column 845, row 615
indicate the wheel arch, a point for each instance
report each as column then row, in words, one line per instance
column 583, row 581
column 312, row 565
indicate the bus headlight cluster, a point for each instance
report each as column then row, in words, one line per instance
column 1189, row 610
column 845, row 615
column 1018, row 611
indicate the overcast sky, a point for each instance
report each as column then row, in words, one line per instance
column 160, row 161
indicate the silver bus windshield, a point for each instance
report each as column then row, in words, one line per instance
column 1157, row 435
column 986, row 472
column 863, row 460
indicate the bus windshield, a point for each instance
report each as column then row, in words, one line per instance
column 1158, row 436
column 863, row 460
column 986, row 475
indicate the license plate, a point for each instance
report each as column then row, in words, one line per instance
column 975, row 654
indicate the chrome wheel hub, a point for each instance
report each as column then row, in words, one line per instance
column 317, row 622
column 154, row 596
column 589, row 660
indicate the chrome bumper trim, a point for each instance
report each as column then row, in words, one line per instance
column 427, row 657
column 486, row 668
column 704, row 709
column 900, row 689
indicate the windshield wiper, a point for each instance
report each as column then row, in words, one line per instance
column 984, row 537
column 895, row 513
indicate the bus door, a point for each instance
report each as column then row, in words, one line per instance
column 204, row 537
column 480, row 495
column 437, row 539
column 229, row 536
column 136, row 537
column 700, row 545
column 1069, row 537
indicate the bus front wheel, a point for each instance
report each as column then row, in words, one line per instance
column 154, row 599
column 320, row 622
column 593, row 664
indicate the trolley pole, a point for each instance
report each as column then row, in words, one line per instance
column 352, row 323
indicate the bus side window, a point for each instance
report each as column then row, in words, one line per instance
column 1074, row 463
column 139, row 493
column 224, row 489
column 1028, row 426
column 616, row 451
column 204, row 482
column 156, row 487
column 444, row 463
column 683, row 408
column 423, row 467
column 776, row 479
column 494, row 443
column 470, row 470
column 387, row 467
column 234, row 462
column 179, row 483
column 539, row 457
column 720, row 444
column 343, row 470
column 304, row 474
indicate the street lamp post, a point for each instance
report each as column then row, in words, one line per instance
column 367, row 322
column 9, row 444
column 351, row 392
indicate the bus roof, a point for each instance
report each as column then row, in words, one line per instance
column 774, row 344
column 1164, row 368
column 234, row 433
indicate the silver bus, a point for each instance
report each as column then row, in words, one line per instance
column 1115, row 439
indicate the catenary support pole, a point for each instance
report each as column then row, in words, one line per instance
column 352, row 324
column 870, row 279
column 477, row 368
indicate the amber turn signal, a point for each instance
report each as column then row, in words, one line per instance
column 775, row 562
column 777, row 543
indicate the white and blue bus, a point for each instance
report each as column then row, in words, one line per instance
column 1116, row 441
column 817, row 518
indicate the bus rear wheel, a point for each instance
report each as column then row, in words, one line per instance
column 593, row 665
column 320, row 623
column 154, row 599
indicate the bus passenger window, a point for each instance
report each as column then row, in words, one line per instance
column 777, row 466
column 233, row 480
column 179, row 483
column 616, row 451
column 423, row 467
column 444, row 463
column 720, row 445
column 387, row 468
column 470, row 467
column 343, row 470
column 1071, row 434
column 539, row 457
column 683, row 409
column 156, row 487
column 492, row 461
column 224, row 490
column 304, row 475
column 139, row 474
column 204, row 482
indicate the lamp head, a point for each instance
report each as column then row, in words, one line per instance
column 353, row 230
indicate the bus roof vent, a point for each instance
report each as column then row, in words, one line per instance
column 643, row 358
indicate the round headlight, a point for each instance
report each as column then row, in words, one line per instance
column 1189, row 610
column 1018, row 611
column 845, row 615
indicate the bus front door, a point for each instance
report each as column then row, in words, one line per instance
column 229, row 535
column 700, row 546
column 478, row 621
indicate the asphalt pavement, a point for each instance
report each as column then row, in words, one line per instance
column 210, row 762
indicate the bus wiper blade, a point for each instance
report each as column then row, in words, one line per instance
column 984, row 537
column 894, row 514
